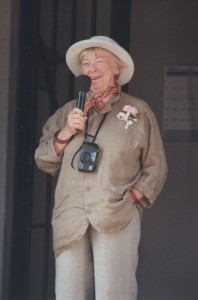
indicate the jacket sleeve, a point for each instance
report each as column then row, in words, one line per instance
column 154, row 165
column 45, row 155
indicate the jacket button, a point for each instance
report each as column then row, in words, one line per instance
column 88, row 211
column 87, row 188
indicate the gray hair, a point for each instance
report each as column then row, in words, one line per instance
column 116, row 60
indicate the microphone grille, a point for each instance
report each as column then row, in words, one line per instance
column 82, row 83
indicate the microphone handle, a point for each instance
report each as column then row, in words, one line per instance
column 81, row 100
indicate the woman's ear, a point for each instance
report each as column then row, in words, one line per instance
column 116, row 69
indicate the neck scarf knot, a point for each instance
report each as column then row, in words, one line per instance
column 96, row 100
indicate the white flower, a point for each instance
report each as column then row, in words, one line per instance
column 129, row 115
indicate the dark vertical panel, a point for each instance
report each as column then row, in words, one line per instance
column 11, row 146
column 51, row 89
column 93, row 17
column 24, row 152
column 73, row 39
column 36, row 266
column 120, row 23
column 53, row 106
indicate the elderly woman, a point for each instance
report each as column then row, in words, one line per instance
column 97, row 212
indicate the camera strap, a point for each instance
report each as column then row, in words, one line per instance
column 97, row 131
column 89, row 135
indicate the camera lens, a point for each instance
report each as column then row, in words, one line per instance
column 85, row 157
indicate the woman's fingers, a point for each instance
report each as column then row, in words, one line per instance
column 76, row 119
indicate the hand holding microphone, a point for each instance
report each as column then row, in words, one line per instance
column 76, row 118
column 82, row 86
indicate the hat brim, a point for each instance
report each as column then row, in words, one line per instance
column 73, row 54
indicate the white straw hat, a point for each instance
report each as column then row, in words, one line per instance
column 73, row 54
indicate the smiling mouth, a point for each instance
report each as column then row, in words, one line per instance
column 95, row 78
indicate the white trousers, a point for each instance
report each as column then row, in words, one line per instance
column 100, row 266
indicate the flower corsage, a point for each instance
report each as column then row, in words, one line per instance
column 129, row 115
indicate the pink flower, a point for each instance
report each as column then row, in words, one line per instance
column 131, row 109
column 128, row 116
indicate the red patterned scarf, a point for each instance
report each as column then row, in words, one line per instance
column 96, row 100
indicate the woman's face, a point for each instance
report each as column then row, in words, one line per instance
column 101, row 67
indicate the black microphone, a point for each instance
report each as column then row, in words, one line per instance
column 82, row 86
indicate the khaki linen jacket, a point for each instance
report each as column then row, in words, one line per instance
column 132, row 157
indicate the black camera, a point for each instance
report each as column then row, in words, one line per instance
column 88, row 157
